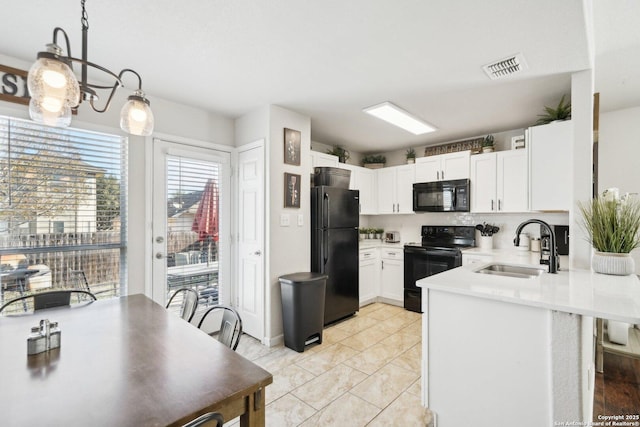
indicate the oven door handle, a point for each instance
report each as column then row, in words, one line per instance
column 432, row 252
column 440, row 252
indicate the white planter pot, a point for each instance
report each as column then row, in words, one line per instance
column 613, row 263
column 618, row 332
column 485, row 242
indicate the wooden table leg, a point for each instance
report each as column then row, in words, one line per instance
column 255, row 414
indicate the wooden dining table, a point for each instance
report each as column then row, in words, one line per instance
column 124, row 362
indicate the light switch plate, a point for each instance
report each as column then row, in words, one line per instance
column 284, row 220
column 300, row 220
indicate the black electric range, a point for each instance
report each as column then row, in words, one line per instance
column 439, row 250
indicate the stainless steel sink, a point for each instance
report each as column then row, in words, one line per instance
column 508, row 270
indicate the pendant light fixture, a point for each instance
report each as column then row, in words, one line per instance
column 55, row 89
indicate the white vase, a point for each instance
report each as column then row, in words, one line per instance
column 613, row 263
column 485, row 242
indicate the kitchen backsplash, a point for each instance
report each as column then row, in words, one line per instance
column 409, row 225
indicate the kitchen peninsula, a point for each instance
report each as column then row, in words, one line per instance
column 501, row 350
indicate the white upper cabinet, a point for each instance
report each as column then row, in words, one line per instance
column 550, row 165
column 363, row 180
column 499, row 182
column 395, row 189
column 483, row 183
column 443, row 167
column 513, row 181
column 322, row 159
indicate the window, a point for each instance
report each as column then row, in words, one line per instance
column 62, row 209
column 193, row 189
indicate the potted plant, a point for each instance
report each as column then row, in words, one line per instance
column 342, row 154
column 379, row 232
column 487, row 144
column 486, row 235
column 561, row 112
column 372, row 233
column 411, row 155
column 612, row 224
column 374, row 161
column 363, row 233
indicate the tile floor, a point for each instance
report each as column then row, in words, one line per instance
column 365, row 373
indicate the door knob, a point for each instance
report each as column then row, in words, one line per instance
column 159, row 255
column 159, row 239
column 258, row 252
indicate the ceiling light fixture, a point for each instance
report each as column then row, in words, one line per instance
column 397, row 116
column 55, row 90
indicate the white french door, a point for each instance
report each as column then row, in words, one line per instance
column 191, row 222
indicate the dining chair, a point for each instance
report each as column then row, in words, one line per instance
column 206, row 418
column 49, row 299
column 189, row 302
column 230, row 326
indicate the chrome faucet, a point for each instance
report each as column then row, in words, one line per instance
column 554, row 262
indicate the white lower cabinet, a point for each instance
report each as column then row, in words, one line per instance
column 381, row 275
column 369, row 281
column 392, row 277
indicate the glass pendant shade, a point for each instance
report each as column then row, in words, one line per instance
column 52, row 80
column 136, row 116
column 50, row 112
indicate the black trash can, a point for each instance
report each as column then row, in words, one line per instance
column 302, row 308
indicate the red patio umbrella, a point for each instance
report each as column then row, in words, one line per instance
column 205, row 222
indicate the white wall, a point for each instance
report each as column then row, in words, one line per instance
column 289, row 247
column 502, row 141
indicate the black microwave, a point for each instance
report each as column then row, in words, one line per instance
column 442, row 196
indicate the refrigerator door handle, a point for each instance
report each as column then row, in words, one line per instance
column 326, row 209
column 325, row 248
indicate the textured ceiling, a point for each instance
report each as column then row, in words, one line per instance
column 332, row 58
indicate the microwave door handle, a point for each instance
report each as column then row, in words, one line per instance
column 453, row 198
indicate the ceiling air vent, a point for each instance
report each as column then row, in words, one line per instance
column 506, row 67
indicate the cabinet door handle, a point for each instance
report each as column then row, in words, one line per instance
column 438, row 175
column 442, row 174
column 499, row 205
column 383, row 265
column 491, row 204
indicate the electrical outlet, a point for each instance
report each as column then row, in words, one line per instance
column 300, row 220
column 284, row 220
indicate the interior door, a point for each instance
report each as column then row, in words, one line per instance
column 250, row 249
column 191, row 217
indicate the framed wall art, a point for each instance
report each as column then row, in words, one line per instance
column 291, row 190
column 292, row 140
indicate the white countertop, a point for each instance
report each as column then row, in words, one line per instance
column 572, row 291
column 376, row 243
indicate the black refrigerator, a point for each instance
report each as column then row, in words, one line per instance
column 335, row 214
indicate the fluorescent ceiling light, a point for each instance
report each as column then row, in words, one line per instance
column 397, row 116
